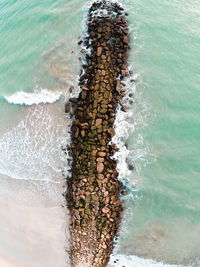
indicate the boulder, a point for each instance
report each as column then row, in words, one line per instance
column 102, row 154
column 118, row 87
column 100, row 167
column 73, row 99
column 105, row 210
column 67, row 107
column 100, row 160
column 99, row 51
column 98, row 121
column 85, row 88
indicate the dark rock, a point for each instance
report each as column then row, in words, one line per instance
column 73, row 100
column 130, row 167
column 67, row 107
column 71, row 88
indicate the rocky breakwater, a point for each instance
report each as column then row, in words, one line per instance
column 93, row 195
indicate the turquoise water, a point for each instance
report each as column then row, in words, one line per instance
column 164, row 222
column 36, row 44
column 38, row 51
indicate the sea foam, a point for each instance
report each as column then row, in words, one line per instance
column 36, row 97
column 134, row 261
column 32, row 149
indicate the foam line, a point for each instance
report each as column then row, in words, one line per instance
column 37, row 97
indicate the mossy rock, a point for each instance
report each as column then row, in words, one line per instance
column 106, row 94
column 104, row 111
column 95, row 103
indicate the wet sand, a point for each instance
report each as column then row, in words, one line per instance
column 33, row 233
column 33, row 225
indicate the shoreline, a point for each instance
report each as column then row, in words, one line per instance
column 93, row 195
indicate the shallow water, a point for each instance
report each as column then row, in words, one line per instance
column 162, row 218
column 39, row 62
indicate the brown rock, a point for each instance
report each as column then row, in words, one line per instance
column 99, row 51
column 123, row 108
column 104, row 246
column 85, row 88
column 100, row 160
column 102, row 154
column 67, row 107
column 76, row 133
column 71, row 89
column 125, row 40
column 106, row 194
column 100, row 167
column 105, row 210
column 123, row 73
column 98, row 122
column 83, row 133
column 73, row 100
column 100, row 176
column 118, row 86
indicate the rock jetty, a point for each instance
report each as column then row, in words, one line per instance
column 93, row 195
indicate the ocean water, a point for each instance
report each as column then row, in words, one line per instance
column 159, row 134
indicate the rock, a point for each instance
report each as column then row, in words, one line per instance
column 85, row 88
column 118, row 87
column 83, row 133
column 99, row 51
column 105, row 210
column 100, row 66
column 71, row 88
column 98, row 121
column 123, row 108
column 95, row 195
column 130, row 167
column 123, row 73
column 100, row 160
column 102, row 154
column 124, row 193
column 76, row 133
column 73, row 100
column 100, row 167
column 106, row 194
column 100, row 176
column 67, row 107
column 104, row 246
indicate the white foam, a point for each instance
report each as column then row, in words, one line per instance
column 32, row 149
column 134, row 261
column 36, row 97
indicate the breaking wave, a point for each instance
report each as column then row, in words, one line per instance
column 32, row 149
column 37, row 97
column 130, row 260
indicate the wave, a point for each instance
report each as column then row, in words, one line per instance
column 130, row 260
column 37, row 97
column 32, row 149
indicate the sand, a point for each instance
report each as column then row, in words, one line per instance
column 32, row 229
